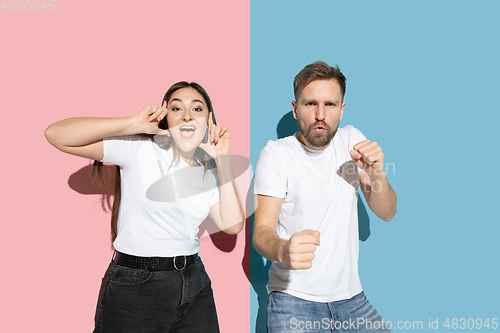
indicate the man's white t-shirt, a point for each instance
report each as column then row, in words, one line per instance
column 161, row 206
column 320, row 192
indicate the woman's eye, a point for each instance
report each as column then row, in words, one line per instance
column 198, row 109
column 176, row 109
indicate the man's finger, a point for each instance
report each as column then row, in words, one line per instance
column 367, row 148
column 358, row 145
column 314, row 233
column 360, row 163
column 302, row 257
column 307, row 248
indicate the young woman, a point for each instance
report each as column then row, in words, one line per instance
column 174, row 170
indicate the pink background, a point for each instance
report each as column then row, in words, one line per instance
column 103, row 58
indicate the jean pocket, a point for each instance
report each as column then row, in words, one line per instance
column 129, row 277
column 200, row 264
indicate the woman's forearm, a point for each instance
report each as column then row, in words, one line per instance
column 76, row 132
column 230, row 206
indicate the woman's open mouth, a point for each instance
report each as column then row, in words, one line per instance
column 187, row 131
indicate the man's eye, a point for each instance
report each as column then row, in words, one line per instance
column 330, row 104
column 310, row 103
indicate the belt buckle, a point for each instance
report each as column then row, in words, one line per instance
column 175, row 265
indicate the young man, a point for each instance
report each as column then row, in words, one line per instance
column 306, row 220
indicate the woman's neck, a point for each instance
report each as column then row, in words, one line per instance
column 188, row 157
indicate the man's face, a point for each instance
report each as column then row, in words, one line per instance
column 318, row 110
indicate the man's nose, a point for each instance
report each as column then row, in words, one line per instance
column 320, row 113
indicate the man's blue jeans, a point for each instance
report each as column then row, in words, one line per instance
column 138, row 301
column 286, row 313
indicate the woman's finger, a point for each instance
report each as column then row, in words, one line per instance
column 216, row 133
column 223, row 131
column 163, row 112
column 211, row 131
column 151, row 111
column 157, row 112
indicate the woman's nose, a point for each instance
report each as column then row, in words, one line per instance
column 187, row 116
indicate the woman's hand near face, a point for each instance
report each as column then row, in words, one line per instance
column 83, row 136
column 218, row 140
column 148, row 119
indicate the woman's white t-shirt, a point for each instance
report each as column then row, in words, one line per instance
column 161, row 206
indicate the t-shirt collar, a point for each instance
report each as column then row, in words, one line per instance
column 314, row 152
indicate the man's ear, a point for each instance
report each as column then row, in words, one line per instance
column 342, row 111
column 294, row 109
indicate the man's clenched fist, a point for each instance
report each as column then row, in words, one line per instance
column 299, row 250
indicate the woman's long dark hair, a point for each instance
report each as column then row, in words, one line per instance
column 163, row 141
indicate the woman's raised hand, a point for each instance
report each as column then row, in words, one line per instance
column 218, row 139
column 148, row 119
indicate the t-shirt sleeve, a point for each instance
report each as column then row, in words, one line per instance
column 121, row 150
column 356, row 136
column 270, row 178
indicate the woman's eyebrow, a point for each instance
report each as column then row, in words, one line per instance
column 193, row 101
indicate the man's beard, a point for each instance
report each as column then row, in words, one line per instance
column 318, row 140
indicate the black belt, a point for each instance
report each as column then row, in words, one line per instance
column 154, row 263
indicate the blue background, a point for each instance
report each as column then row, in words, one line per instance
column 422, row 81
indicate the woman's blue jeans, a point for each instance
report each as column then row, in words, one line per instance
column 139, row 301
column 286, row 313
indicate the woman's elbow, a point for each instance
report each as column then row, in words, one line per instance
column 50, row 135
column 235, row 229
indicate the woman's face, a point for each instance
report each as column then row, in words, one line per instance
column 187, row 115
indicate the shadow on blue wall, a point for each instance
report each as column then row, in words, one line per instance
column 259, row 267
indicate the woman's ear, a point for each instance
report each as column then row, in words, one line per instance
column 164, row 103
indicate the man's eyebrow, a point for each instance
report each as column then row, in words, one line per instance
column 314, row 100
column 193, row 101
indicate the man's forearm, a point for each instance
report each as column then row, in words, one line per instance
column 382, row 199
column 268, row 243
